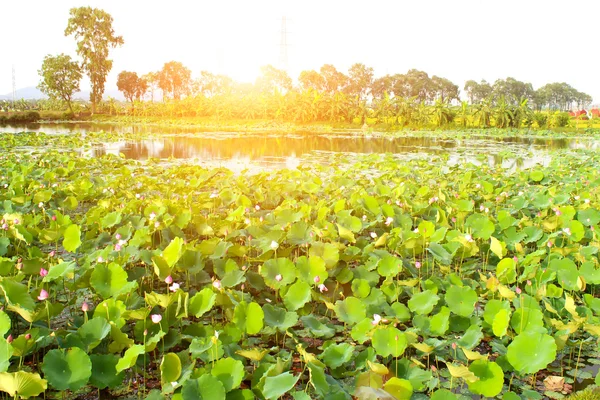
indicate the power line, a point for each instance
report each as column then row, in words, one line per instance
column 14, row 86
column 283, row 45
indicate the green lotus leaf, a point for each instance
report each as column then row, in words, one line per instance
column 111, row 280
column 207, row 387
column 440, row 322
column 350, row 310
column 310, row 268
column 506, row 270
column 328, row 252
column 443, row 394
column 104, row 373
column 336, row 355
column 461, row 300
column 6, row 352
column 423, row 302
column 173, row 252
column 67, row 369
column 62, row 270
column 130, row 357
column 491, row 309
column 4, row 323
column 277, row 317
column 72, row 238
column 317, row 328
column 527, row 319
column 481, row 226
column 536, row 176
column 566, row 273
column 389, row 341
column 297, row 295
column 202, row 302
column 248, row 317
column 500, row 322
column 530, row 352
column 490, row 378
column 22, row 384
column 389, row 266
column 17, row 294
column 278, row 273
column 92, row 332
column 401, row 389
column 276, row 386
column 111, row 219
column 588, row 217
column 230, row 372
column 170, row 368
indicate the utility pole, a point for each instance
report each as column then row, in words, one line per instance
column 14, row 86
column 283, row 45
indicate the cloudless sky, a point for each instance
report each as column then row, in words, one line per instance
column 531, row 40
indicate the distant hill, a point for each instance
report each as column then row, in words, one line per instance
column 33, row 93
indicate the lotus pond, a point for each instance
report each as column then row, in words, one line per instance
column 369, row 276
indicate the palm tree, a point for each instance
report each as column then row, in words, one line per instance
column 483, row 111
column 503, row 114
column 464, row 112
column 442, row 113
column 521, row 112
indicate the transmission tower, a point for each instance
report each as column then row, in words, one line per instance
column 14, row 86
column 283, row 45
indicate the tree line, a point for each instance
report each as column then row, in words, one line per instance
column 326, row 94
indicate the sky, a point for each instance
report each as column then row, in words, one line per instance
column 534, row 41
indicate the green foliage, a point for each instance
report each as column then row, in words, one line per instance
column 60, row 78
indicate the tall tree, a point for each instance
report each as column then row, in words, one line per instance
column 132, row 86
column 151, row 79
column 95, row 36
column 174, row 79
column 311, row 80
column 60, row 78
column 360, row 80
column 335, row 81
column 273, row 79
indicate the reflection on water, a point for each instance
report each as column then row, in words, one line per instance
column 239, row 151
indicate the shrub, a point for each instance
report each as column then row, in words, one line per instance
column 541, row 119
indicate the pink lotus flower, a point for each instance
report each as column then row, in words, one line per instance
column 54, row 218
column 322, row 288
column 317, row 279
column 100, row 259
column 118, row 236
column 43, row 295
column 278, row 277
column 27, row 336
column 85, row 307
column 43, row 272
column 117, row 247
column 217, row 284
column 453, row 346
column 518, row 290
column 169, row 280
column 376, row 319
column 389, row 221
column 9, row 339
column 418, row 265
column 52, row 253
column 156, row 318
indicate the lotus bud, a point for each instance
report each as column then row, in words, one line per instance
column 9, row 339
column 43, row 272
column 43, row 295
column 217, row 284
column 418, row 265
column 169, row 280
column 156, row 318
column 278, row 277
column 317, row 279
column 27, row 336
column 85, row 307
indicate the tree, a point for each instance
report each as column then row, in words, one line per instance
column 94, row 33
column 151, row 79
column 311, row 80
column 477, row 92
column 60, row 78
column 444, row 89
column 335, row 81
column 360, row 79
column 211, row 85
column 132, row 86
column 174, row 79
column 273, row 79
